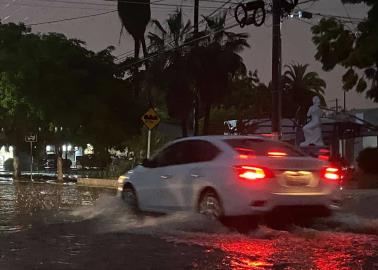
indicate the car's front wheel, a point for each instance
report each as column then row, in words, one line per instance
column 130, row 198
column 210, row 205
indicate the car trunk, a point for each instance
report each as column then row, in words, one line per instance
column 293, row 174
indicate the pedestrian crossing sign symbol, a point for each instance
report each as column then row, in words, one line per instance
column 151, row 119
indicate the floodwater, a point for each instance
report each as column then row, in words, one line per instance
column 64, row 226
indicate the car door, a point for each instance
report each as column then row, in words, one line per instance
column 170, row 174
column 155, row 191
column 186, row 172
column 198, row 170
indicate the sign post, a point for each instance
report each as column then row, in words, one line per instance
column 31, row 138
column 150, row 119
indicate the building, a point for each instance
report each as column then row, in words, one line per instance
column 344, row 133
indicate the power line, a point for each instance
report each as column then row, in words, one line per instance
column 309, row 6
column 350, row 19
column 224, row 28
column 75, row 18
column 57, row 7
column 129, row 53
column 339, row 17
column 123, row 56
column 72, row 18
column 182, row 45
column 209, row 1
column 307, row 1
column 154, row 3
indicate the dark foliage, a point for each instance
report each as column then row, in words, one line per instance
column 367, row 160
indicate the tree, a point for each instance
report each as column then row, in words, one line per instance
column 135, row 15
column 215, row 61
column 54, row 86
column 299, row 87
column 338, row 45
column 172, row 66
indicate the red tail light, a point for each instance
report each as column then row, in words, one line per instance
column 245, row 153
column 247, row 172
column 277, row 154
column 331, row 173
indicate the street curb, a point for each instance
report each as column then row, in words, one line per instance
column 96, row 182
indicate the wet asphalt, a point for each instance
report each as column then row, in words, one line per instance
column 64, row 226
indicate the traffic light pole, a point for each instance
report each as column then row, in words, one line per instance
column 276, row 71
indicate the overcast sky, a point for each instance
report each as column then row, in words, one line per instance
column 101, row 31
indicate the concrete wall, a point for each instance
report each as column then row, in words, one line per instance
column 110, row 183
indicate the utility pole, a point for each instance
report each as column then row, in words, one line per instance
column 196, row 9
column 276, row 71
column 337, row 105
column 344, row 101
column 196, row 94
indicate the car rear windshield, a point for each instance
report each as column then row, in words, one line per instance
column 260, row 147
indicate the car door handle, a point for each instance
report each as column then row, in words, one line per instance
column 193, row 175
column 164, row 177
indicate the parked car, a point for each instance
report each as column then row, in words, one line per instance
column 230, row 176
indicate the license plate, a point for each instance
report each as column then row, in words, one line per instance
column 300, row 178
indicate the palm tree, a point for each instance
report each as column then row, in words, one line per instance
column 172, row 66
column 135, row 15
column 215, row 61
column 299, row 87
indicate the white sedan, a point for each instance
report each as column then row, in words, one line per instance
column 230, row 176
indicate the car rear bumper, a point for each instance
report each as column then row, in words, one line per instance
column 265, row 203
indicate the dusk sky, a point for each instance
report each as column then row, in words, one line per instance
column 101, row 31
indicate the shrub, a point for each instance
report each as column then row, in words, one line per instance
column 367, row 160
column 8, row 165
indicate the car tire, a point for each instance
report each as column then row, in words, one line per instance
column 210, row 205
column 130, row 199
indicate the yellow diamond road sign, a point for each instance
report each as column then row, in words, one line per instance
column 151, row 118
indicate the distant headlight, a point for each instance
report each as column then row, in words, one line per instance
column 122, row 179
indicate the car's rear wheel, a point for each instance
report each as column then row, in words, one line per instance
column 130, row 198
column 210, row 205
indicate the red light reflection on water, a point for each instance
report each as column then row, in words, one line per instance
column 306, row 250
column 247, row 254
column 344, row 251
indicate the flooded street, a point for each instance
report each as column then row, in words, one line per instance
column 64, row 226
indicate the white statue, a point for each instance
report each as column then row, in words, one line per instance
column 313, row 129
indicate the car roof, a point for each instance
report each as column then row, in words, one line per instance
column 222, row 137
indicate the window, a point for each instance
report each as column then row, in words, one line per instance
column 184, row 152
column 260, row 147
column 170, row 155
column 200, row 151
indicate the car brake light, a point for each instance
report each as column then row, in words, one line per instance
column 245, row 153
column 331, row 173
column 323, row 157
column 246, row 172
column 277, row 154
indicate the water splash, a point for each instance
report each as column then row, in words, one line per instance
column 113, row 216
column 346, row 222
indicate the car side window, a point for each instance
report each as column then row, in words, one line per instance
column 184, row 152
column 171, row 155
column 199, row 151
